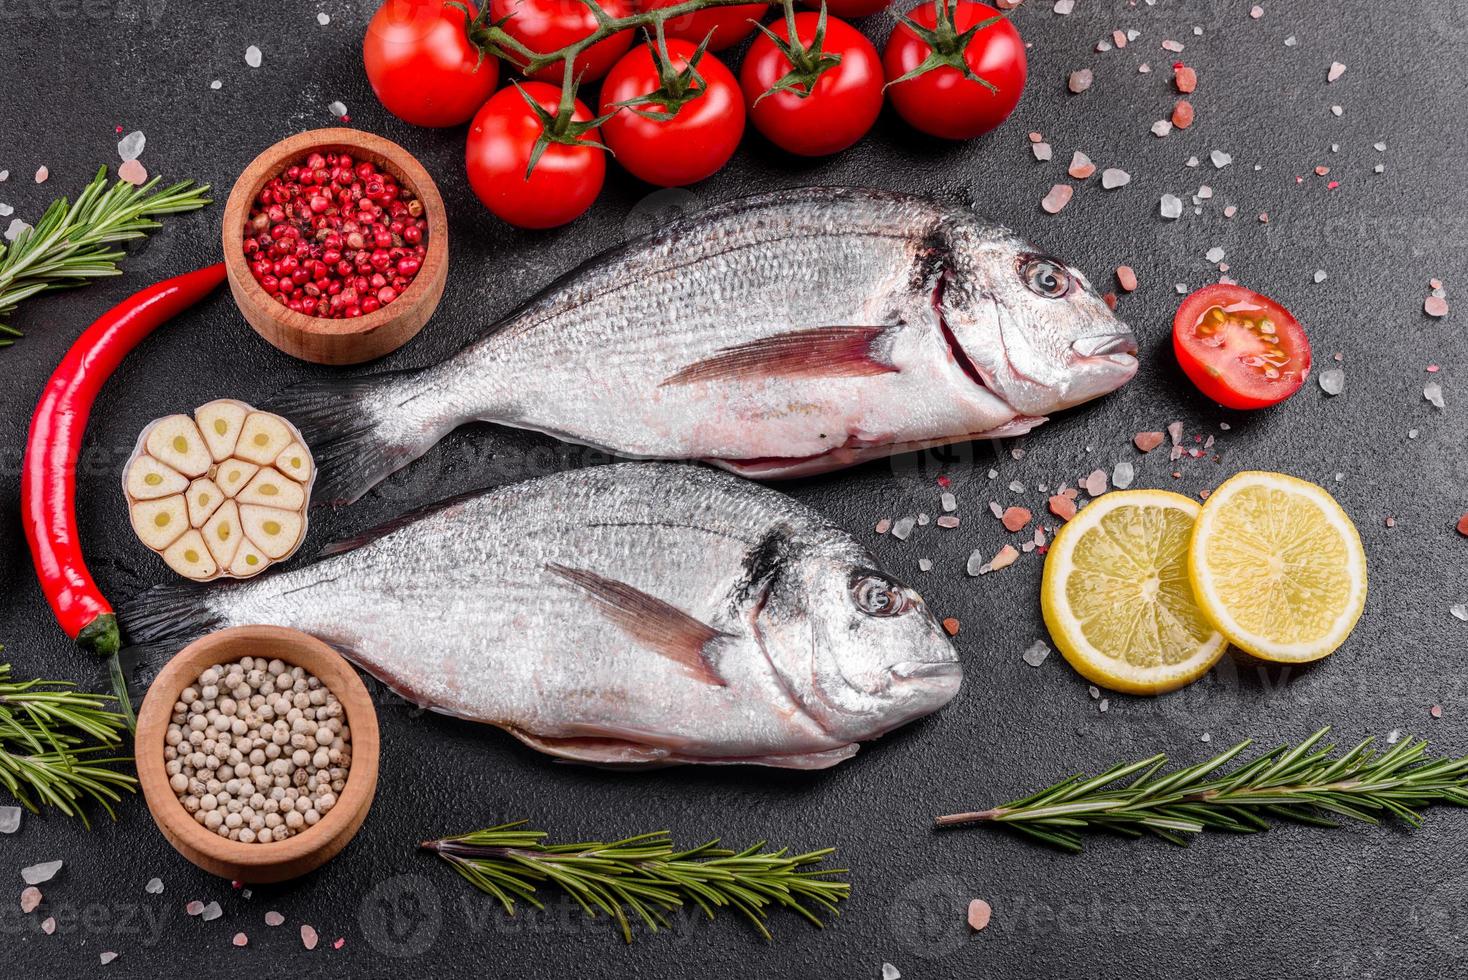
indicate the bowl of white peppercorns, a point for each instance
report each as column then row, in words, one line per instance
column 257, row 752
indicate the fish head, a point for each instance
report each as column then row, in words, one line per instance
column 860, row 651
column 1027, row 326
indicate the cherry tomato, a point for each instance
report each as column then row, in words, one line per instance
column 421, row 64
column 700, row 137
column 1241, row 349
column 729, row 25
column 547, row 25
column 850, row 9
column 838, row 111
column 942, row 102
column 566, row 179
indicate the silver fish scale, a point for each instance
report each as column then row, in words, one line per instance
column 459, row 611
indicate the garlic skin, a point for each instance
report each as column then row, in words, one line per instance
column 222, row 493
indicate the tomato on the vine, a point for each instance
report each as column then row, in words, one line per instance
column 503, row 140
column 1241, row 349
column 729, row 25
column 549, row 25
column 422, row 65
column 850, row 9
column 949, row 86
column 673, row 124
column 818, row 95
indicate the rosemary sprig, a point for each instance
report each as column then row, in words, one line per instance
column 57, row 746
column 73, row 243
column 643, row 877
column 1307, row 783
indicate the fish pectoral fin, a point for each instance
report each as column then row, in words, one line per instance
column 596, row 750
column 822, row 352
column 662, row 628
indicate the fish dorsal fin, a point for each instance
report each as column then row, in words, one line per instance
column 653, row 623
column 822, row 352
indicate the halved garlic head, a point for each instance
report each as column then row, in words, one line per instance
column 222, row 493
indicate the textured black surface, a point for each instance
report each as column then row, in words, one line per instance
column 1352, row 902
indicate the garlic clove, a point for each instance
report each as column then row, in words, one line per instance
column 262, row 438
column 220, row 422
column 295, row 463
column 159, row 523
column 190, row 557
column 233, row 474
column 222, row 534
column 176, row 442
column 275, row 532
column 204, row 498
column 248, row 560
column 273, row 490
column 148, row 479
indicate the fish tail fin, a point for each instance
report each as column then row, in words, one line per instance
column 160, row 621
column 360, row 430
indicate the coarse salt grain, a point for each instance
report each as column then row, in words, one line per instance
column 253, row 57
column 154, row 886
column 979, row 913
column 1126, row 278
column 1333, row 382
column 131, row 146
column 30, row 898
column 1081, row 166
column 1036, row 653
column 1171, row 207
column 1058, row 197
column 1336, row 71
column 1114, row 177
column 308, row 937
column 133, row 172
column 1080, row 80
column 39, row 874
column 323, row 18
column 41, row 174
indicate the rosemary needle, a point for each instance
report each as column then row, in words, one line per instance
column 643, row 877
column 1307, row 783
column 73, row 243
column 58, row 745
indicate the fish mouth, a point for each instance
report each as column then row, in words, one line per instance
column 1121, row 345
column 928, row 669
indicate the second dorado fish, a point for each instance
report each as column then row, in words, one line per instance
column 630, row 614
column 781, row 335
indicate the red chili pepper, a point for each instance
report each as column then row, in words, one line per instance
column 48, row 475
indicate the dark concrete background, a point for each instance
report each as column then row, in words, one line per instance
column 1352, row 902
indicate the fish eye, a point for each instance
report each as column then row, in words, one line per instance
column 877, row 596
column 1045, row 277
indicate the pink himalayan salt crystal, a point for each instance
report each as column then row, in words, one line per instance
column 340, row 942
column 308, row 937
column 1436, row 711
column 1094, row 482
column 1081, row 166
column 1062, row 506
column 133, row 172
column 240, row 939
column 194, row 908
column 1058, row 198
column 1147, row 441
column 1126, row 277
column 41, row 175
column 1435, row 306
column 49, row 925
column 29, row 899
column 1015, row 518
column 979, row 913
column 1004, row 558
column 274, row 918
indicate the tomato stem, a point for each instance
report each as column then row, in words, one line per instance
column 807, row 62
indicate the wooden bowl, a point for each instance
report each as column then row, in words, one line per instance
column 318, row 339
column 278, row 860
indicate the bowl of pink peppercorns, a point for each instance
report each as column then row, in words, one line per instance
column 336, row 245
column 257, row 752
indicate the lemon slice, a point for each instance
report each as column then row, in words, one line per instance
column 1278, row 567
column 1116, row 597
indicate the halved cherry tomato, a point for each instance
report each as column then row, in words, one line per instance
column 729, row 25
column 548, row 25
column 944, row 101
column 1241, row 349
column 566, row 178
column 703, row 131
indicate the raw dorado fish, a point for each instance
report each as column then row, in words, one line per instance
column 780, row 335
column 624, row 614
